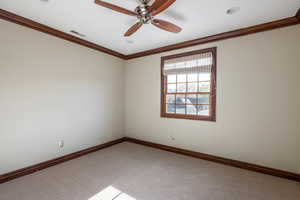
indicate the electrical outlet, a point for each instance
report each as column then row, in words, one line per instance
column 61, row 144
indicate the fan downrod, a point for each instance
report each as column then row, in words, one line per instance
column 144, row 1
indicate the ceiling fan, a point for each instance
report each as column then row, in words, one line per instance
column 145, row 14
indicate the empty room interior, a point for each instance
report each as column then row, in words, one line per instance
column 149, row 100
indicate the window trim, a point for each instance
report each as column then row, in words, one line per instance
column 212, row 116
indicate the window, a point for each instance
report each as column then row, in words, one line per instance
column 188, row 85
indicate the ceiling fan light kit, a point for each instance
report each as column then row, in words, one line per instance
column 145, row 14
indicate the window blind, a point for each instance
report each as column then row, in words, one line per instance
column 199, row 63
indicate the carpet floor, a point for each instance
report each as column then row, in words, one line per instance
column 133, row 172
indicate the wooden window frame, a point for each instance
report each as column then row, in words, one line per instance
column 213, row 88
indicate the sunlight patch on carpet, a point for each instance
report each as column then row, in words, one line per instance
column 111, row 193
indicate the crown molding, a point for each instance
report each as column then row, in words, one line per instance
column 222, row 36
column 8, row 16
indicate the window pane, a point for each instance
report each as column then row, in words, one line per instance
column 203, row 98
column 191, row 110
column 181, row 78
column 171, row 88
column 192, row 87
column 170, row 108
column 204, row 86
column 203, row 110
column 180, row 108
column 191, row 99
column 171, row 78
column 180, row 99
column 192, row 77
column 181, row 87
column 204, row 77
column 170, row 98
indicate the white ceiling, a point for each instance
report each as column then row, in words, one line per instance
column 102, row 26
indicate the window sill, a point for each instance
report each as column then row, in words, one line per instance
column 189, row 117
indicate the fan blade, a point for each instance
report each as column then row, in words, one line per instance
column 115, row 8
column 156, row 4
column 167, row 26
column 159, row 6
column 133, row 29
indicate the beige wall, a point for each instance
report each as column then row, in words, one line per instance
column 258, row 102
column 52, row 90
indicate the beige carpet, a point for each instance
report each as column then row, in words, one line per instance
column 128, row 171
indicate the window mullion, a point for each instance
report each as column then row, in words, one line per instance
column 186, row 90
column 175, row 103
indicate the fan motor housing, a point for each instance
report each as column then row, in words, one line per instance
column 143, row 14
